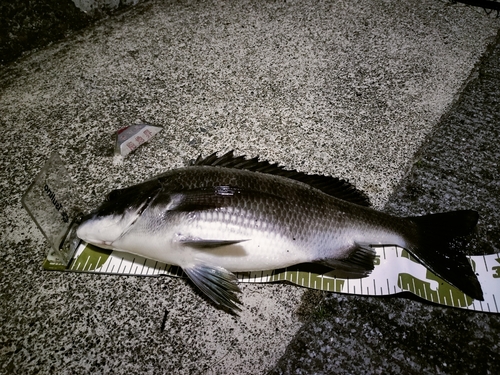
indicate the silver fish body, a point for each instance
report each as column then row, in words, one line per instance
column 229, row 214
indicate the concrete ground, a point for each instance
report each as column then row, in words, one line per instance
column 456, row 168
column 351, row 89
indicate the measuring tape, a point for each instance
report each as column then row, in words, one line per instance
column 395, row 271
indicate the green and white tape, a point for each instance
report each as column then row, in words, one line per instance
column 396, row 271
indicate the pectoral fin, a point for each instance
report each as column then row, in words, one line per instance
column 217, row 283
column 200, row 243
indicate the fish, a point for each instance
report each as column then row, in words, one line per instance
column 227, row 214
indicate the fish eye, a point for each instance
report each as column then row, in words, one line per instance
column 112, row 195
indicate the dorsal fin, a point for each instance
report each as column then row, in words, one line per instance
column 333, row 186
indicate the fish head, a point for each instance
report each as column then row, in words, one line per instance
column 117, row 215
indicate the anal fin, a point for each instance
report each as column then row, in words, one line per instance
column 359, row 263
column 217, row 283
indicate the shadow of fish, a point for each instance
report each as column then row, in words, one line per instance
column 231, row 214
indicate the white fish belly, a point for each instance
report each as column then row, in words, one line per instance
column 263, row 245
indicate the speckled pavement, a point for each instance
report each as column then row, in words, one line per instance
column 456, row 168
column 351, row 89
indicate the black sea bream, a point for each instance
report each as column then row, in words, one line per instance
column 231, row 214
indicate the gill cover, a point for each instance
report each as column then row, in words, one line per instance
column 118, row 214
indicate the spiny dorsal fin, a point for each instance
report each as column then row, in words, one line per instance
column 333, row 186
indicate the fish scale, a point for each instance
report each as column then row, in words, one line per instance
column 304, row 213
column 268, row 217
column 230, row 214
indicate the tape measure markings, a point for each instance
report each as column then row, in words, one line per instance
column 400, row 270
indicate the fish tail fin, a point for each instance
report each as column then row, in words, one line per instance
column 432, row 243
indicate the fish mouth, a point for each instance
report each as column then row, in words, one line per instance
column 98, row 243
column 101, row 243
column 104, row 230
column 85, row 234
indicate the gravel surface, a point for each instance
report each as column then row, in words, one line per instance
column 345, row 88
column 457, row 168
